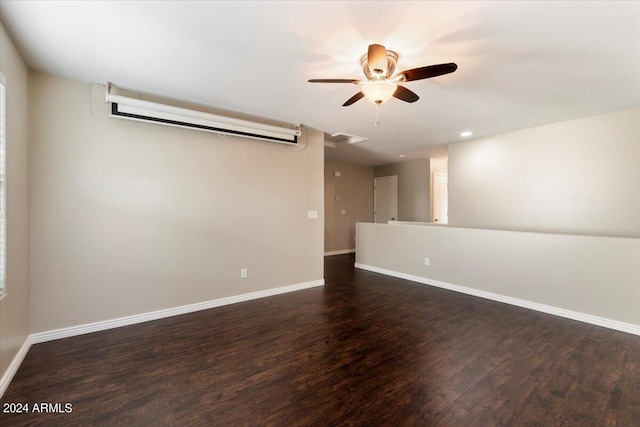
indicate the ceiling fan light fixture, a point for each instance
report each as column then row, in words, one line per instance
column 378, row 66
column 379, row 91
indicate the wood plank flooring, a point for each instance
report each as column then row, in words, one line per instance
column 365, row 350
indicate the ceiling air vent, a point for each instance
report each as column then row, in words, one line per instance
column 340, row 138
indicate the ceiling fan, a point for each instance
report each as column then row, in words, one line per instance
column 378, row 65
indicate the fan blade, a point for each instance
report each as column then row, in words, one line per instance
column 377, row 60
column 428, row 71
column 405, row 94
column 358, row 96
column 354, row 81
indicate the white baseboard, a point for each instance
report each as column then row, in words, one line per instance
column 15, row 364
column 340, row 252
column 161, row 314
column 569, row 314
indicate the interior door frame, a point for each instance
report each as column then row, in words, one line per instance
column 375, row 190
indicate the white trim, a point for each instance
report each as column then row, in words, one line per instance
column 340, row 252
column 161, row 314
column 556, row 311
column 15, row 364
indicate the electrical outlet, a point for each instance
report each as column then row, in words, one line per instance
column 426, row 261
column 243, row 273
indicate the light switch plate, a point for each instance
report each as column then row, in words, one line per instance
column 312, row 214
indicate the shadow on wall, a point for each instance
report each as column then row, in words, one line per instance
column 348, row 199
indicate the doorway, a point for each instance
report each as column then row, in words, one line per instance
column 440, row 198
column 385, row 199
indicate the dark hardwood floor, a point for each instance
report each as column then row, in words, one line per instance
column 365, row 350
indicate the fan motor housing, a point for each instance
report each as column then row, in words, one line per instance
column 392, row 60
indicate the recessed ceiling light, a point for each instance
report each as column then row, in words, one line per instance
column 402, row 156
column 466, row 133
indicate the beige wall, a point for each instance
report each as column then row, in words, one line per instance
column 414, row 202
column 577, row 177
column 355, row 188
column 130, row 217
column 14, row 308
column 592, row 275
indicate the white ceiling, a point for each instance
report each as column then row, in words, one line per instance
column 520, row 64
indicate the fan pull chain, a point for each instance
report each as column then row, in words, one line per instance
column 377, row 114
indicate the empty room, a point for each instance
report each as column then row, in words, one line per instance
column 320, row 213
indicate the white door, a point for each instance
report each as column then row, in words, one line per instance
column 440, row 198
column 385, row 199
